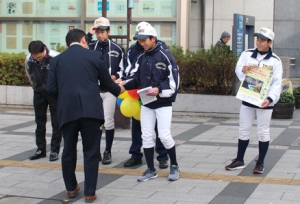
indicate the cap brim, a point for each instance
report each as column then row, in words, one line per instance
column 141, row 37
column 261, row 36
column 100, row 27
column 134, row 37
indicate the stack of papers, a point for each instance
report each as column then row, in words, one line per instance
column 144, row 97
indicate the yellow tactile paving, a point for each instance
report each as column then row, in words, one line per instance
column 137, row 172
column 247, row 179
column 193, row 175
column 295, row 182
column 277, row 181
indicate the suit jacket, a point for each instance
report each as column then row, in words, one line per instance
column 73, row 78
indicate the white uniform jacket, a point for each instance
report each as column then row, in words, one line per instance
column 252, row 57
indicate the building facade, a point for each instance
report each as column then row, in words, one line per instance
column 192, row 24
column 48, row 20
column 209, row 18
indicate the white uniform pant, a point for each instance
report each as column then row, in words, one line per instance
column 247, row 116
column 148, row 119
column 109, row 106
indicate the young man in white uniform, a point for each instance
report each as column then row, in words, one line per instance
column 113, row 55
column 157, row 68
column 262, row 56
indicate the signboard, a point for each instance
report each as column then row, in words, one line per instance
column 239, row 35
column 131, row 4
column 100, row 6
column 286, row 84
column 255, row 85
column 242, row 33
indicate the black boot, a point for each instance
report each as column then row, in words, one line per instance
column 109, row 137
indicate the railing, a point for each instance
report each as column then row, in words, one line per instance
column 120, row 39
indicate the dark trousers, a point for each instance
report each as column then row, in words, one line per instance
column 137, row 142
column 90, row 135
column 40, row 103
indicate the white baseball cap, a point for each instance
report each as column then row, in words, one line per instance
column 265, row 34
column 145, row 31
column 139, row 25
column 102, row 23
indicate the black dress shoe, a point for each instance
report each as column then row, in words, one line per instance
column 38, row 154
column 163, row 164
column 53, row 156
column 132, row 162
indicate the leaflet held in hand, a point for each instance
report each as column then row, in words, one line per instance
column 144, row 97
column 255, row 85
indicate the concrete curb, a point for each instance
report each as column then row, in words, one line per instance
column 189, row 103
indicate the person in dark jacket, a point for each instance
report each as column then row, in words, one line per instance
column 156, row 71
column 136, row 134
column 113, row 55
column 225, row 37
column 73, row 79
column 36, row 67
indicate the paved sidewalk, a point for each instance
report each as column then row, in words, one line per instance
column 204, row 146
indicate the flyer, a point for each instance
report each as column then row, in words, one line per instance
column 255, row 85
column 145, row 98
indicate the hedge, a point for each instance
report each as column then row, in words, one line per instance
column 206, row 71
column 12, row 69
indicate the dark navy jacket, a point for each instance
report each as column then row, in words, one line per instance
column 37, row 72
column 73, row 79
column 156, row 68
column 112, row 53
column 134, row 51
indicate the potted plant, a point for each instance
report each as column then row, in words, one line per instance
column 284, row 108
column 296, row 92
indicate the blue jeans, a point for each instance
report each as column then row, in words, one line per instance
column 136, row 137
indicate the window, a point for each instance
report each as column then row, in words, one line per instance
column 142, row 8
column 51, row 33
column 40, row 8
column 22, row 21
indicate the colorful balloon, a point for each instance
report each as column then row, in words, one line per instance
column 137, row 116
column 129, row 106
column 133, row 93
column 124, row 95
column 119, row 101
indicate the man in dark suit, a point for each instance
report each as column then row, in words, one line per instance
column 73, row 79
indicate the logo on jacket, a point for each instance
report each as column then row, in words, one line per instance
column 161, row 65
column 113, row 53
